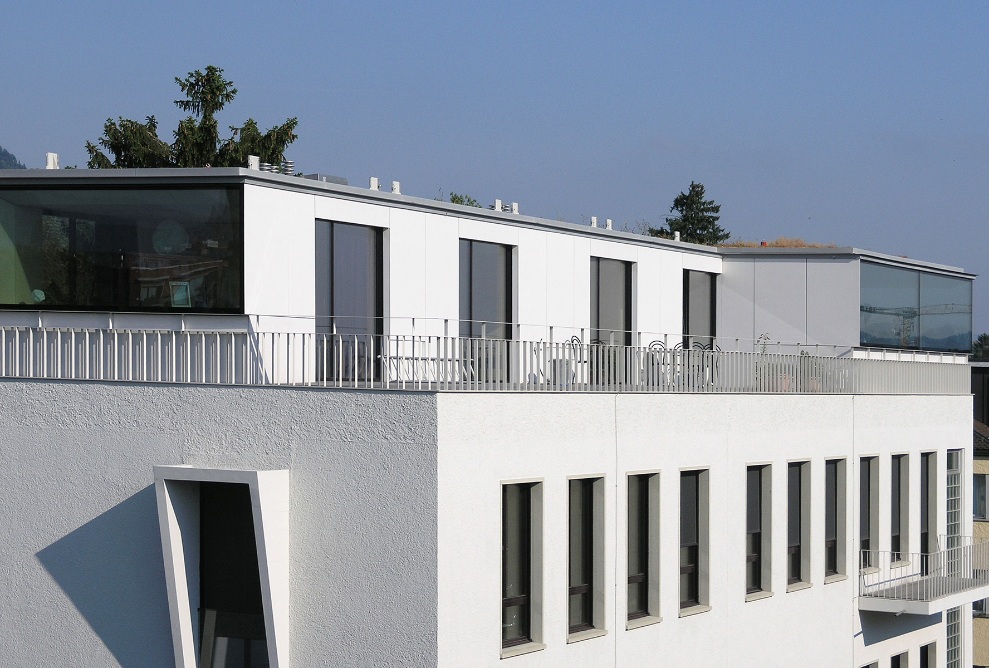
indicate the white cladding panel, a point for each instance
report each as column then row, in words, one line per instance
column 780, row 296
column 833, row 301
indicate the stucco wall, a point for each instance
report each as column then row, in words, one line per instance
column 80, row 558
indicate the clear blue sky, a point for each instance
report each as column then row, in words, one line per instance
column 861, row 124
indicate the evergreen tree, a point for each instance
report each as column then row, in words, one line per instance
column 8, row 161
column 133, row 144
column 980, row 349
column 697, row 221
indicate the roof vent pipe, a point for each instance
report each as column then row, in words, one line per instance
column 497, row 205
column 374, row 184
column 594, row 221
column 515, row 207
column 253, row 162
column 676, row 236
column 608, row 223
column 51, row 160
column 396, row 188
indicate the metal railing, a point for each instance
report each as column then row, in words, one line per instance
column 916, row 576
column 450, row 363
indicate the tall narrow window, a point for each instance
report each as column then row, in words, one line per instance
column 928, row 469
column 611, row 301
column 796, row 523
column 582, row 557
column 699, row 293
column 898, row 509
column 232, row 617
column 638, row 546
column 831, row 517
column 516, row 564
column 691, row 537
column 754, row 510
column 349, row 299
column 485, row 290
column 979, row 492
column 867, row 510
column 898, row 661
column 928, row 658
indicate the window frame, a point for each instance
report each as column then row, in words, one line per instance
column 798, row 524
column 694, row 553
column 899, row 508
column 868, row 480
column 534, row 638
column 758, row 578
column 591, row 584
column 980, row 479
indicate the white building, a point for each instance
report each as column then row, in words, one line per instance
column 254, row 419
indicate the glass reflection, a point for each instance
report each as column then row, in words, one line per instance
column 119, row 249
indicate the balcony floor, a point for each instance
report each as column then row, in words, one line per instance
column 914, row 597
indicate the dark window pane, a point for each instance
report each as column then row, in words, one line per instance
column 638, row 545
column 895, row 501
column 126, row 249
column 945, row 313
column 865, row 501
column 689, row 538
column 794, row 512
column 516, row 563
column 831, row 500
column 611, row 305
column 753, row 504
column 688, row 508
column 485, row 289
column 356, row 278
column 698, row 305
column 581, row 553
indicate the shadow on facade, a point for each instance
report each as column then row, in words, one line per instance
column 111, row 569
column 880, row 626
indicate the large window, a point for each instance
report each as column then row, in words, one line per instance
column 979, row 502
column 611, row 301
column 485, row 290
column 693, row 538
column 699, row 294
column 904, row 308
column 349, row 299
column 757, row 525
column 517, row 563
column 122, row 249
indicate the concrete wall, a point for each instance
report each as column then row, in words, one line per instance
column 80, row 561
column 485, row 440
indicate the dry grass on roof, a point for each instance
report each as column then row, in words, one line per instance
column 778, row 242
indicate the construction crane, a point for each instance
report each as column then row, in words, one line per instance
column 908, row 315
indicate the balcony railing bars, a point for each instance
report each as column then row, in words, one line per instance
column 449, row 363
column 924, row 577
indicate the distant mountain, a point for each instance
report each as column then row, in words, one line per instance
column 8, row 161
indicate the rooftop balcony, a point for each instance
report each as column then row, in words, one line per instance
column 924, row 584
column 462, row 363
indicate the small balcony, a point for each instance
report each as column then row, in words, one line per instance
column 441, row 362
column 924, row 584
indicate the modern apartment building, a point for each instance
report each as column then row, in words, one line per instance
column 255, row 419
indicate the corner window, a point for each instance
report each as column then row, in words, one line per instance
column 520, row 562
column 643, row 546
column 586, row 558
column 123, row 249
column 693, row 538
column 757, row 529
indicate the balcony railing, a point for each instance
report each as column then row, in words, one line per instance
column 450, row 363
column 924, row 584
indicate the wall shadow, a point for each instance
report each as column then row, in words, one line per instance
column 880, row 626
column 112, row 570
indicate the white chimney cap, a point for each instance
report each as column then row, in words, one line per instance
column 51, row 160
column 396, row 187
column 594, row 221
column 374, row 183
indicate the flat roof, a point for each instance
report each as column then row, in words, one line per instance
column 238, row 175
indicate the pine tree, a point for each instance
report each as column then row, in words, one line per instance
column 197, row 139
column 697, row 221
column 8, row 161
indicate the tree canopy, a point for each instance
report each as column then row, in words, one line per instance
column 135, row 144
column 8, row 161
column 980, row 349
column 697, row 221
column 464, row 199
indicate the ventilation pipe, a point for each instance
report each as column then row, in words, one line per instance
column 51, row 160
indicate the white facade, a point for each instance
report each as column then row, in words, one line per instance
column 390, row 502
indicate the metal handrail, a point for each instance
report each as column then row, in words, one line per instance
column 916, row 576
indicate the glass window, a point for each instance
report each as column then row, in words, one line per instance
column 866, row 509
column 753, row 528
column 979, row 487
column 699, row 293
column 611, row 301
column 638, row 545
column 581, row 613
column 794, row 522
column 122, row 249
column 516, row 570
column 485, row 290
column 899, row 511
column 690, row 538
column 831, row 516
column 904, row 308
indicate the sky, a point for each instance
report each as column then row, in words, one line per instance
column 858, row 124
